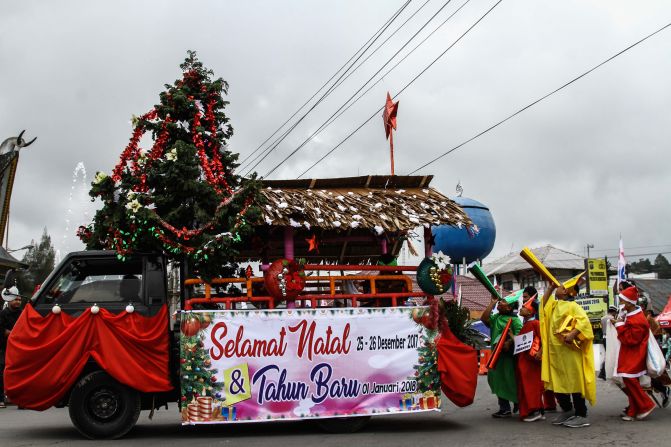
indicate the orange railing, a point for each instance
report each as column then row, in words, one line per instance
column 333, row 292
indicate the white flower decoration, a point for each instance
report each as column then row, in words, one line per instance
column 171, row 155
column 134, row 205
column 379, row 230
column 100, row 176
column 442, row 260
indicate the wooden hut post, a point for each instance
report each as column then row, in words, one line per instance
column 383, row 246
column 289, row 254
column 428, row 248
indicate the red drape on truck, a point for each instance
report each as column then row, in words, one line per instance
column 46, row 355
column 458, row 368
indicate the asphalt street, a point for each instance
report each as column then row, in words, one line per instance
column 472, row 426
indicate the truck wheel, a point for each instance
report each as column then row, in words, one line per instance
column 102, row 408
column 343, row 425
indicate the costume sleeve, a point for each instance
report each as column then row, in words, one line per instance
column 631, row 334
column 516, row 325
column 583, row 324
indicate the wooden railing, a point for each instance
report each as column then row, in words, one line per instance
column 330, row 282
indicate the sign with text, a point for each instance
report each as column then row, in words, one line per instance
column 597, row 277
column 258, row 365
column 523, row 342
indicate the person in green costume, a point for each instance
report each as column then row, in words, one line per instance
column 502, row 378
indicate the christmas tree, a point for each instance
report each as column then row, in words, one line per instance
column 180, row 197
column 426, row 371
column 198, row 378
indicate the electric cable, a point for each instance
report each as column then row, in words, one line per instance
column 541, row 98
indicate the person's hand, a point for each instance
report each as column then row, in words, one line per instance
column 538, row 355
column 568, row 338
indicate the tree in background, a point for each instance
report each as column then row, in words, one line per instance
column 181, row 197
column 661, row 266
column 40, row 259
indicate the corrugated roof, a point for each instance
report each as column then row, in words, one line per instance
column 658, row 291
column 552, row 257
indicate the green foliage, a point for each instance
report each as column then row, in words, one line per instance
column 661, row 266
column 458, row 319
column 40, row 259
column 198, row 377
column 426, row 371
column 182, row 197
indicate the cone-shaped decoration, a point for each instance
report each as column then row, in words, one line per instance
column 480, row 276
column 493, row 360
column 529, row 305
column 537, row 265
column 569, row 285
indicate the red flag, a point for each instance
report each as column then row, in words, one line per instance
column 389, row 118
column 389, row 115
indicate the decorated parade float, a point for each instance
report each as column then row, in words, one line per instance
column 291, row 306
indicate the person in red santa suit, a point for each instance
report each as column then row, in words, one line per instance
column 633, row 331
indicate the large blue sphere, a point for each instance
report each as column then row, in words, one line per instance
column 457, row 243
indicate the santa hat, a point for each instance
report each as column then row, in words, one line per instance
column 630, row 295
column 10, row 294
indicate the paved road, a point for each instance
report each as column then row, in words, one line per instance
column 472, row 426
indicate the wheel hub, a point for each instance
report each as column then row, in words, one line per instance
column 104, row 403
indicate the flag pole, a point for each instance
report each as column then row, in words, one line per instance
column 391, row 150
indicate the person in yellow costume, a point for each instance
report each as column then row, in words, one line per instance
column 567, row 366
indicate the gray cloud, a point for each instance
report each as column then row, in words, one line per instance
column 584, row 166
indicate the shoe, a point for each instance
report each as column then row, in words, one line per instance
column 625, row 411
column 577, row 422
column 516, row 408
column 550, row 410
column 665, row 399
column 645, row 414
column 502, row 414
column 627, row 418
column 2, row 405
column 562, row 417
column 533, row 417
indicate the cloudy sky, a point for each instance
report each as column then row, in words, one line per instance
column 584, row 166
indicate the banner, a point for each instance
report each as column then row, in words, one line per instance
column 597, row 277
column 595, row 307
column 257, row 365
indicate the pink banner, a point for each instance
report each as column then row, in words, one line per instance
column 257, row 365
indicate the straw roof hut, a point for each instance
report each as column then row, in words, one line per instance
column 350, row 219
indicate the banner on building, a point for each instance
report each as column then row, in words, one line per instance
column 247, row 366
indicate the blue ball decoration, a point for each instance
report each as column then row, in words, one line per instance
column 457, row 243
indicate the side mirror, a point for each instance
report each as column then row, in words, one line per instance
column 10, row 279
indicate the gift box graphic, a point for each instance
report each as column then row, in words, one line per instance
column 229, row 413
column 429, row 401
column 406, row 403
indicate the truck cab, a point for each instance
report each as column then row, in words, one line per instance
column 85, row 278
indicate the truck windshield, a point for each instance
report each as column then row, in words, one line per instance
column 97, row 281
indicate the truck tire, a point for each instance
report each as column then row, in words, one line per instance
column 102, row 408
column 343, row 425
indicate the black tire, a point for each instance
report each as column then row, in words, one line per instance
column 102, row 408
column 343, row 425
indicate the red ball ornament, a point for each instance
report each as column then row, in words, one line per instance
column 190, row 326
column 182, row 361
column 205, row 322
column 183, row 398
column 213, row 379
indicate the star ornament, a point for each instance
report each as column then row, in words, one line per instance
column 389, row 115
column 313, row 243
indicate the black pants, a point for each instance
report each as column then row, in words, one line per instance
column 578, row 403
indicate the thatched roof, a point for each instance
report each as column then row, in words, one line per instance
column 351, row 218
column 379, row 203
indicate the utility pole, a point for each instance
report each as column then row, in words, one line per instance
column 588, row 247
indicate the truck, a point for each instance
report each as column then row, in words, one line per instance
column 333, row 341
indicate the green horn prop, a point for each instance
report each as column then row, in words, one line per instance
column 480, row 276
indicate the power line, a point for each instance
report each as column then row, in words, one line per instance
column 402, row 90
column 541, row 98
column 328, row 91
column 385, row 75
column 309, row 138
column 374, row 36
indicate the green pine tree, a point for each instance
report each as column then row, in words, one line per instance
column 40, row 259
column 182, row 196
column 426, row 371
column 198, row 377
